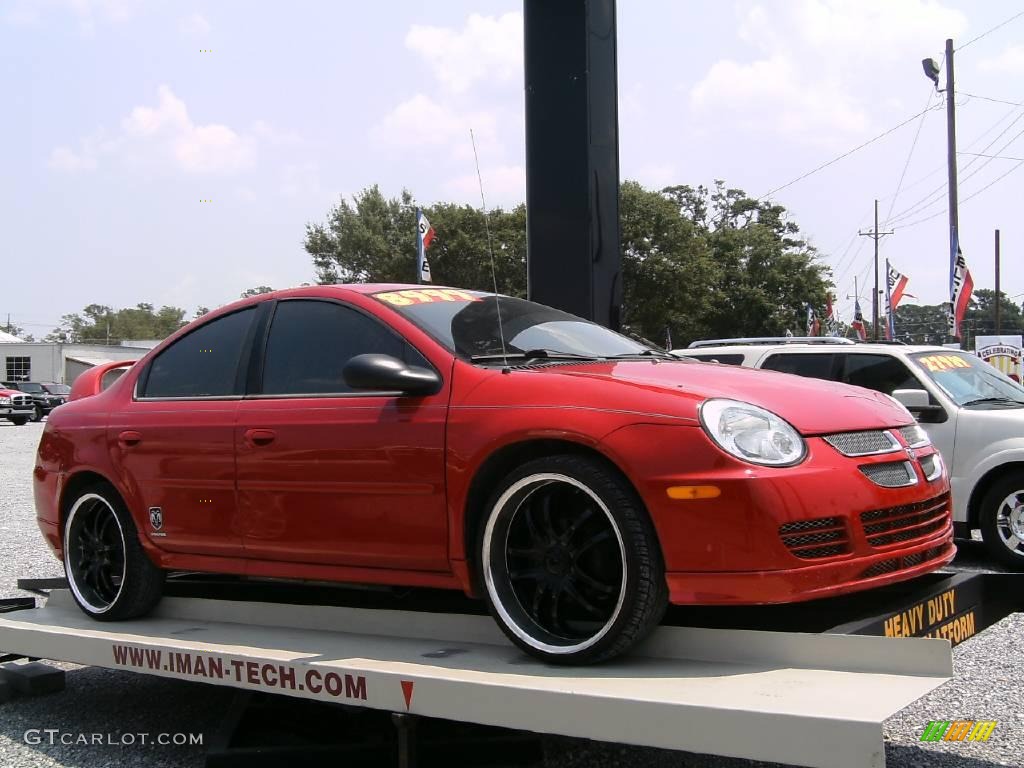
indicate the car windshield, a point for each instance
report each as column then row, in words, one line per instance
column 57, row 389
column 466, row 322
column 970, row 381
column 26, row 387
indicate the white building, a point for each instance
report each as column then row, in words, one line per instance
column 62, row 363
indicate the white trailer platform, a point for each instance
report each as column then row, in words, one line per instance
column 806, row 699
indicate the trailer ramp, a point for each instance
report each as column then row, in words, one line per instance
column 805, row 699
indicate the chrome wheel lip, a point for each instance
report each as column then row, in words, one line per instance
column 540, row 480
column 67, row 550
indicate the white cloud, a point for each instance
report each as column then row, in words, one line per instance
column 164, row 135
column 1009, row 61
column 422, row 122
column 195, row 25
column 812, row 58
column 487, row 49
column 504, row 185
column 89, row 13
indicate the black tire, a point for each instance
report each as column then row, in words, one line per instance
column 110, row 576
column 19, row 421
column 1002, row 520
column 37, row 414
column 582, row 580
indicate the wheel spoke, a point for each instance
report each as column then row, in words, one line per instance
column 528, row 574
column 538, row 598
column 531, row 525
column 105, row 588
column 585, row 515
column 1012, row 542
column 545, row 516
column 597, row 538
column 590, row 581
column 528, row 554
column 556, row 621
column 574, row 595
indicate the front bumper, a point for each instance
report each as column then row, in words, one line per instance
column 8, row 411
column 775, row 535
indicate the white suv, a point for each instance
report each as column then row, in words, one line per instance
column 972, row 412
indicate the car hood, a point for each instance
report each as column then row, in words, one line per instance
column 8, row 392
column 812, row 406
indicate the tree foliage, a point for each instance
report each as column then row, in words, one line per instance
column 700, row 262
column 100, row 324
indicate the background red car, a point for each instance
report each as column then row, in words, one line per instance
column 575, row 479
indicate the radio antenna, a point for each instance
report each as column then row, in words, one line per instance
column 490, row 247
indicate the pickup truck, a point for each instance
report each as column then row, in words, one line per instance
column 45, row 396
column 973, row 413
column 15, row 406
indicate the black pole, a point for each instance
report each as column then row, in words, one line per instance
column 874, row 296
column 954, row 235
column 999, row 297
column 572, row 157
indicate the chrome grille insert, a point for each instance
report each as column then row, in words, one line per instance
column 863, row 443
column 891, row 474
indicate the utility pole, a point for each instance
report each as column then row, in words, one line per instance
column 875, row 235
column 954, row 224
column 998, row 295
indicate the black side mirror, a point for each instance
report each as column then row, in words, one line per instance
column 384, row 372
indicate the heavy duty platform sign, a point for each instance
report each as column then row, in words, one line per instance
column 807, row 699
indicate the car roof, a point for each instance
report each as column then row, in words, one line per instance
column 810, row 348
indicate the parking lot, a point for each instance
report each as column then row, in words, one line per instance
column 987, row 685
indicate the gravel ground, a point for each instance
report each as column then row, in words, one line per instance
column 987, row 685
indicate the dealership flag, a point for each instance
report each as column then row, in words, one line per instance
column 424, row 236
column 831, row 321
column 896, row 284
column 961, row 286
column 813, row 324
column 858, row 320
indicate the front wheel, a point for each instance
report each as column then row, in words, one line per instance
column 110, row 576
column 37, row 414
column 1002, row 520
column 570, row 563
column 19, row 421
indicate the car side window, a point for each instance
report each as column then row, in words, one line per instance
column 311, row 341
column 883, row 373
column 719, row 358
column 810, row 365
column 203, row 363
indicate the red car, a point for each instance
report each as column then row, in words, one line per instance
column 575, row 479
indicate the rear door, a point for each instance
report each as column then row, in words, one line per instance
column 334, row 476
column 173, row 443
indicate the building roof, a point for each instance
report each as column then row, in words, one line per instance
column 7, row 338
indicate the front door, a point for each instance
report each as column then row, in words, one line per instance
column 328, row 475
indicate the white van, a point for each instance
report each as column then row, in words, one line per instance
column 973, row 413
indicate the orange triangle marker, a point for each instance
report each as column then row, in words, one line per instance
column 407, row 692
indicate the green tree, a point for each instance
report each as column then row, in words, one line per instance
column 980, row 317
column 100, row 324
column 257, row 291
column 921, row 323
column 16, row 330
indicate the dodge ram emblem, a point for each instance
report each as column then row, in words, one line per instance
column 156, row 518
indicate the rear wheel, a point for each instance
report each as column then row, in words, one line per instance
column 37, row 414
column 110, row 576
column 570, row 563
column 1002, row 520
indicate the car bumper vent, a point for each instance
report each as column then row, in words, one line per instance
column 896, row 564
column 863, row 443
column 906, row 523
column 891, row 474
column 811, row 539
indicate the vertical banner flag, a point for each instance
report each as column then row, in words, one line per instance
column 424, row 236
column 858, row 320
column 890, row 320
column 831, row 321
column 961, row 286
column 896, row 284
column 813, row 324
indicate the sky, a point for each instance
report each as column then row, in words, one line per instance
column 172, row 152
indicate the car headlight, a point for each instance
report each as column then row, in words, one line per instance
column 751, row 433
column 5, row 401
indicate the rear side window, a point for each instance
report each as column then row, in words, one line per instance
column 204, row 363
column 883, row 373
column 311, row 341
column 723, row 359
column 812, row 366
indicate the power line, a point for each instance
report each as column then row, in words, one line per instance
column 994, row 101
column 973, row 194
column 843, row 156
column 989, row 32
column 910, row 155
column 994, row 157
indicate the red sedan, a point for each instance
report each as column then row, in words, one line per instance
column 575, row 479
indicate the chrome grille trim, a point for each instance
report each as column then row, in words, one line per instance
column 869, row 443
column 931, row 465
column 891, row 474
column 915, row 436
column 812, row 539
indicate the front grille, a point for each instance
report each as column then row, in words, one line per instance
column 907, row 522
column 891, row 474
column 901, row 563
column 811, row 539
column 21, row 400
column 862, row 443
column 915, row 436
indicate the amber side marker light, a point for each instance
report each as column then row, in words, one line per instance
column 693, row 492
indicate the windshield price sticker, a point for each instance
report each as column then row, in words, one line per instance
column 936, row 363
column 423, row 296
